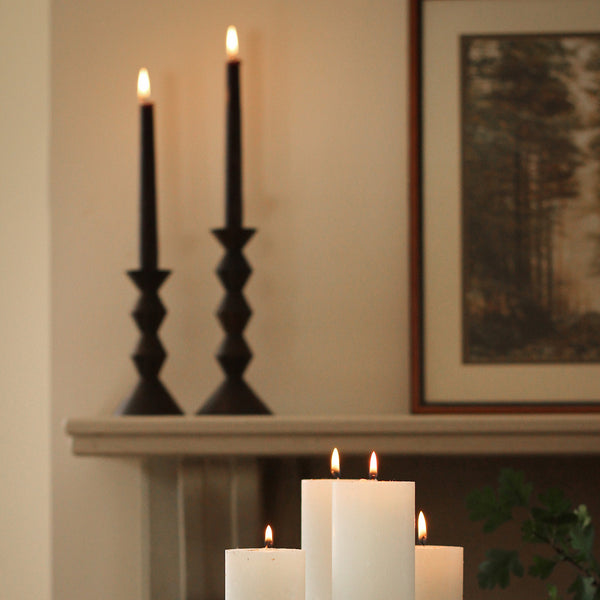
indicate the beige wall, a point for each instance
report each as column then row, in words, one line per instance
column 325, row 152
column 24, row 301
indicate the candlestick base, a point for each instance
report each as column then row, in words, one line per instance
column 234, row 395
column 150, row 397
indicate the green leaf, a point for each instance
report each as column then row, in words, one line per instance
column 583, row 588
column 483, row 505
column 555, row 502
column 567, row 533
column 513, row 490
column 496, row 509
column 581, row 536
column 554, row 518
column 542, row 567
column 582, row 540
column 534, row 532
column 498, row 567
column 583, row 516
column 553, row 592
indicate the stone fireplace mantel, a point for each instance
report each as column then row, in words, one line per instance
column 305, row 436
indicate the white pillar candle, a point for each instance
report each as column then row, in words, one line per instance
column 316, row 532
column 373, row 547
column 264, row 574
column 438, row 569
column 438, row 573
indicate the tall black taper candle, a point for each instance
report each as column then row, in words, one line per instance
column 234, row 395
column 233, row 171
column 150, row 396
column 148, row 241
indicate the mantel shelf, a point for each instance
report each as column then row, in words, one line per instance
column 305, row 436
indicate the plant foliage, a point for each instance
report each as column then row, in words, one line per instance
column 547, row 519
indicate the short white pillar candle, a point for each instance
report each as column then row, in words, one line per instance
column 438, row 569
column 264, row 574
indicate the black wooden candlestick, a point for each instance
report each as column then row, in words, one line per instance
column 150, row 397
column 234, row 395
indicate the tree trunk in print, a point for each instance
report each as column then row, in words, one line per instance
column 531, row 143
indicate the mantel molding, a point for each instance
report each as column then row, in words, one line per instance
column 205, row 436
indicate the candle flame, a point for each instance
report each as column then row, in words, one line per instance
column 231, row 43
column 268, row 537
column 422, row 528
column 335, row 463
column 143, row 85
column 373, row 466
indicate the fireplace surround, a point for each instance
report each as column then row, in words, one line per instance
column 211, row 482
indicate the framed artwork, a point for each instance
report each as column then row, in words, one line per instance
column 505, row 205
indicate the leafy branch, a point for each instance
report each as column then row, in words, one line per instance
column 549, row 519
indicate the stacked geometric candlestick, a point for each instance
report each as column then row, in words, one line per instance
column 233, row 395
column 358, row 543
column 150, row 396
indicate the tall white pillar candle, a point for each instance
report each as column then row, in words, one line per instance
column 438, row 569
column 373, row 547
column 316, row 532
column 264, row 574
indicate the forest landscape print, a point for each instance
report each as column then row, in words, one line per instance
column 531, row 198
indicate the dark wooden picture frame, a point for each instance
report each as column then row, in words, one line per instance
column 512, row 402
